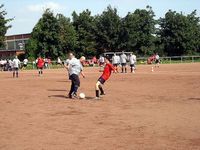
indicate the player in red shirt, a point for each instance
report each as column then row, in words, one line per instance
column 40, row 65
column 108, row 69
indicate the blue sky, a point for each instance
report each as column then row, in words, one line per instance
column 26, row 13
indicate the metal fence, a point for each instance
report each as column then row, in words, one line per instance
column 172, row 59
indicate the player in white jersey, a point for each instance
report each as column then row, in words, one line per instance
column 132, row 59
column 115, row 62
column 157, row 60
column 16, row 66
column 123, row 59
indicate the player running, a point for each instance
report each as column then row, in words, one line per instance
column 105, row 76
column 75, row 68
column 16, row 66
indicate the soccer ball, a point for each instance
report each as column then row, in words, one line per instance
column 82, row 95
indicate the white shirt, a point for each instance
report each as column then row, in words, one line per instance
column 157, row 57
column 123, row 58
column 132, row 59
column 101, row 59
column 115, row 59
column 16, row 63
column 75, row 66
column 25, row 61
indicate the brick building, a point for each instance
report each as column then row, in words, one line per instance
column 14, row 45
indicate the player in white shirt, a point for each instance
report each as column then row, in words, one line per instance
column 123, row 59
column 115, row 62
column 16, row 66
column 132, row 59
column 25, row 63
column 157, row 60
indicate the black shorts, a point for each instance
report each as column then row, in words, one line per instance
column 25, row 65
column 123, row 64
column 115, row 65
column 75, row 79
column 132, row 65
column 157, row 61
column 15, row 69
column 101, row 80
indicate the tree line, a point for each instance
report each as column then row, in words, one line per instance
column 138, row 32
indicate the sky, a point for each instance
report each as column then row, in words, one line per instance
column 26, row 13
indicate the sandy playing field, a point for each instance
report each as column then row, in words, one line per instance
column 157, row 110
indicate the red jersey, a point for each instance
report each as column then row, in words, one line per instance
column 40, row 63
column 107, row 71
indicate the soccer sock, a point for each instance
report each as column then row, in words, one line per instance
column 101, row 89
column 131, row 69
column 125, row 70
column 17, row 74
column 41, row 72
column 97, row 93
column 122, row 69
column 13, row 74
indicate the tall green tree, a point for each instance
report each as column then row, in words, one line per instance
column 67, row 35
column 85, row 26
column 179, row 33
column 45, row 36
column 138, row 30
column 3, row 25
column 108, row 28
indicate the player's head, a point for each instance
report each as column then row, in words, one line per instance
column 107, row 59
column 16, row 56
column 82, row 59
column 71, row 55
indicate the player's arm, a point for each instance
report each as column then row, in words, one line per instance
column 82, row 73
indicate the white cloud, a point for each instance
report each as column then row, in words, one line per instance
column 41, row 7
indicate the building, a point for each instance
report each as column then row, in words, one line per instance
column 14, row 45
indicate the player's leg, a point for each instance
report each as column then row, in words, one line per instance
column 125, row 68
column 17, row 69
column 97, row 89
column 76, row 85
column 13, row 72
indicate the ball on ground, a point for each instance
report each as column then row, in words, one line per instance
column 82, row 95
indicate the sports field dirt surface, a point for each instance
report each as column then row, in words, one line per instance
column 157, row 110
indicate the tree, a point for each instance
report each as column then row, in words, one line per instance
column 67, row 35
column 85, row 26
column 45, row 36
column 137, row 32
column 108, row 29
column 180, row 34
column 3, row 26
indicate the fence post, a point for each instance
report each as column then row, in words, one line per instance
column 170, row 60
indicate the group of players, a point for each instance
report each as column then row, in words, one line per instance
column 74, row 67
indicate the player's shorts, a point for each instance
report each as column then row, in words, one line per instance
column 75, row 79
column 15, row 69
column 123, row 64
column 115, row 65
column 101, row 80
column 157, row 61
column 132, row 65
column 40, row 68
column 25, row 65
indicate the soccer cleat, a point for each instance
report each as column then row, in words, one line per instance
column 102, row 93
column 97, row 98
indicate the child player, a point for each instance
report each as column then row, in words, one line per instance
column 105, row 76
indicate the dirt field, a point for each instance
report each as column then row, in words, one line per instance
column 157, row 110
